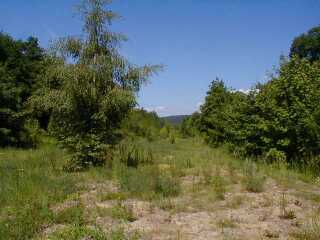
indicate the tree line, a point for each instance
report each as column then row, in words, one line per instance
column 276, row 121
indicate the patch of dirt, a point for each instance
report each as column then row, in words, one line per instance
column 257, row 217
column 194, row 216
column 52, row 229
column 62, row 206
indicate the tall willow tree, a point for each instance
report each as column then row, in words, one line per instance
column 89, row 87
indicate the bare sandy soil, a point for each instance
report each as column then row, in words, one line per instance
column 276, row 213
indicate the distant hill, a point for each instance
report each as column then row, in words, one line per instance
column 175, row 120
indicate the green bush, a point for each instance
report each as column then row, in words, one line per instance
column 274, row 155
column 87, row 151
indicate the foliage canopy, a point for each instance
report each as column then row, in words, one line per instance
column 307, row 45
column 20, row 66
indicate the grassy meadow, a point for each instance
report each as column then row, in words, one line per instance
column 39, row 200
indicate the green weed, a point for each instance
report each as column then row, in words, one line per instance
column 253, row 179
column 147, row 181
column 218, row 186
column 284, row 212
column 226, row 223
column 236, row 202
column 71, row 215
column 122, row 212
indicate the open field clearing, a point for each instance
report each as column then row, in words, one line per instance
column 184, row 191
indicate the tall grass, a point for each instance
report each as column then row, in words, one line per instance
column 138, row 172
column 147, row 181
column 253, row 179
column 30, row 182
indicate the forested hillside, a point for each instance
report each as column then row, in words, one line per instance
column 80, row 160
column 175, row 120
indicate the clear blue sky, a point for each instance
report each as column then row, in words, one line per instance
column 196, row 40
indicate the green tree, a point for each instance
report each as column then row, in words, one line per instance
column 219, row 120
column 307, row 45
column 90, row 88
column 285, row 113
column 20, row 67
